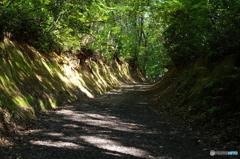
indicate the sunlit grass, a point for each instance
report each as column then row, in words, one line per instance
column 42, row 81
column 20, row 101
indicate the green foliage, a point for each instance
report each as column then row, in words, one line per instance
column 196, row 28
column 131, row 31
column 43, row 23
column 214, row 109
column 121, row 30
column 146, row 33
column 238, row 113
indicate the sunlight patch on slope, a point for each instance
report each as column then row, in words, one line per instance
column 43, row 81
column 84, row 90
column 75, row 80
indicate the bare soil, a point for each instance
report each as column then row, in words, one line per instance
column 118, row 124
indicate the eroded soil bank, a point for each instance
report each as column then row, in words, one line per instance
column 117, row 124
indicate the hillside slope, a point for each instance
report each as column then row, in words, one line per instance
column 31, row 82
column 204, row 93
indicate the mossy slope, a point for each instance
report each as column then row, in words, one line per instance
column 205, row 93
column 31, row 82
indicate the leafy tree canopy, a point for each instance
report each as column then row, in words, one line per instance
column 144, row 32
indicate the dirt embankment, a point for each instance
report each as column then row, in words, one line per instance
column 205, row 94
column 31, row 82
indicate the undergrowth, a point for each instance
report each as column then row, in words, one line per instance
column 205, row 95
column 32, row 81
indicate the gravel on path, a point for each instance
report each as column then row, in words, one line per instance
column 117, row 124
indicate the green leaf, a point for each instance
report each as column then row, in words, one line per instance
column 214, row 109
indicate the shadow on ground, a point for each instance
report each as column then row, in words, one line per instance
column 117, row 124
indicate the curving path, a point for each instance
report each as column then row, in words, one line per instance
column 117, row 124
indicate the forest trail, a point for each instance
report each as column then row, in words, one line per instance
column 117, row 124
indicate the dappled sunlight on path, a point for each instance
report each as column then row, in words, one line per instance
column 100, row 130
column 98, row 120
column 117, row 124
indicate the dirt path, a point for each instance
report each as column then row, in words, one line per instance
column 118, row 124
